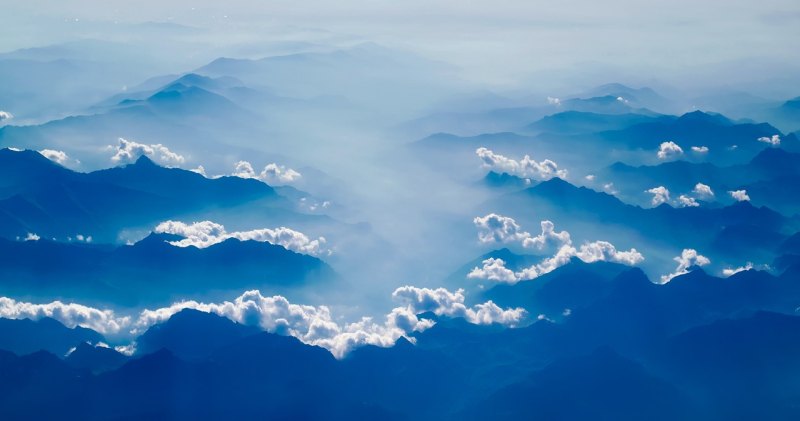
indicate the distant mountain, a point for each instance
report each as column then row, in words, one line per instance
column 643, row 97
column 571, row 206
column 41, row 197
column 566, row 288
column 26, row 336
column 151, row 271
column 95, row 359
column 601, row 384
column 606, row 104
column 574, row 122
column 192, row 335
column 769, row 178
column 728, row 142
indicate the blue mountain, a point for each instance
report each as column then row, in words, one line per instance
column 151, row 271
column 44, row 198
column 26, row 336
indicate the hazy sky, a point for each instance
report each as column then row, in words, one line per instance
column 502, row 42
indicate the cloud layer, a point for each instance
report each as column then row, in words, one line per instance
column 271, row 174
column 313, row 325
column 669, row 150
column 128, row 151
column 206, row 233
column 524, row 168
column 501, row 229
column 687, row 259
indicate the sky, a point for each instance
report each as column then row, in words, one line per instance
column 504, row 44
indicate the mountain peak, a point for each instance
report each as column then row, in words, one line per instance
column 705, row 117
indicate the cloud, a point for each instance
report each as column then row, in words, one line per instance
column 494, row 269
column 669, row 150
column 494, row 228
column 739, row 195
column 200, row 170
column 271, row 174
column 700, row 149
column 554, row 101
column 445, row 303
column 733, row 271
column 313, row 325
column 703, row 190
column 687, row 201
column 31, row 237
column 206, row 233
column 71, row 315
column 5, row 116
column 660, row 195
column 525, row 168
column 687, row 259
column 129, row 151
column 775, row 140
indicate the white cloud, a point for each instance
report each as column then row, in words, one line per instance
column 495, row 269
column 700, row 149
column 775, row 140
column 703, row 190
column 669, row 150
column 313, row 325
column 660, row 195
column 200, row 170
column 128, row 151
column 5, row 116
column 590, row 177
column 525, row 168
column 554, row 101
column 687, row 201
column 494, row 228
column 445, row 303
column 548, row 237
column 31, row 237
column 206, row 233
column 59, row 157
column 739, row 195
column 687, row 259
column 71, row 315
column 271, row 174
column 733, row 271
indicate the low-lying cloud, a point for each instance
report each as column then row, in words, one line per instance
column 128, row 151
column 206, row 233
column 271, row 174
column 688, row 259
column 524, row 168
column 507, row 230
column 313, row 325
column 669, row 150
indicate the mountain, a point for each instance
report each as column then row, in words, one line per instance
column 769, row 179
column 600, row 383
column 643, row 97
column 152, row 270
column 192, row 335
column 25, row 336
column 579, row 209
column 744, row 367
column 575, row 122
column 728, row 142
column 95, row 359
column 566, row 288
column 44, row 198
